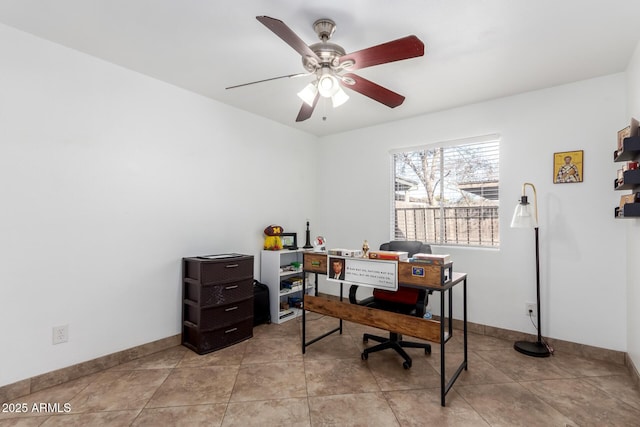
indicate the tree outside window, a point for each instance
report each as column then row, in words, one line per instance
column 448, row 194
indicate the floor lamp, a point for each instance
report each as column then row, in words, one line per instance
column 523, row 217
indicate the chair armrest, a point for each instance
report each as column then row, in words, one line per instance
column 352, row 294
column 353, row 289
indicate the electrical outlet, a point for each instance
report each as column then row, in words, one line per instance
column 531, row 309
column 60, row 334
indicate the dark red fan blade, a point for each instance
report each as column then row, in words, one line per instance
column 306, row 110
column 374, row 91
column 286, row 34
column 397, row 50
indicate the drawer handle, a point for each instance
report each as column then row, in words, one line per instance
column 231, row 287
column 231, row 308
column 230, row 330
column 231, row 266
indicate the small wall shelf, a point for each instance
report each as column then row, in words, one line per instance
column 629, row 210
column 630, row 149
column 630, row 178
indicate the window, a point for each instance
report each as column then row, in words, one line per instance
column 447, row 194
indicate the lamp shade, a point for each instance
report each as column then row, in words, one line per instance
column 308, row 94
column 328, row 86
column 339, row 98
column 327, row 83
column 524, row 216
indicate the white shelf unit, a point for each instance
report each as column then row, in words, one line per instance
column 273, row 270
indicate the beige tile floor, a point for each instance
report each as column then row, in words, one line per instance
column 266, row 381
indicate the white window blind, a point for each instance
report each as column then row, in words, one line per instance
column 448, row 193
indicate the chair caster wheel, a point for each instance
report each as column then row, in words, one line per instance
column 365, row 340
column 427, row 351
column 364, row 356
column 406, row 365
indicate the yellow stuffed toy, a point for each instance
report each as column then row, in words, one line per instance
column 272, row 240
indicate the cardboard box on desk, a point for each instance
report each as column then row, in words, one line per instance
column 346, row 252
column 421, row 274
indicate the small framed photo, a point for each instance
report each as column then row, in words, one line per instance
column 289, row 240
column 568, row 167
column 622, row 134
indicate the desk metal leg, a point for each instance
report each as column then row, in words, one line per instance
column 443, row 390
column 304, row 320
column 450, row 319
column 304, row 312
column 340, row 327
column 464, row 320
column 304, row 324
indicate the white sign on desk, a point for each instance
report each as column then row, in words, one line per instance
column 380, row 274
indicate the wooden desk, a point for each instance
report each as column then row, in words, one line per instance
column 430, row 330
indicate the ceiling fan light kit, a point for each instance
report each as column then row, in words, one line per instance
column 327, row 61
column 308, row 93
column 327, row 83
column 339, row 98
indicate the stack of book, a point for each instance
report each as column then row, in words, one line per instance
column 391, row 255
column 291, row 283
column 435, row 259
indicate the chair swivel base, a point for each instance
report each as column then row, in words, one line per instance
column 395, row 342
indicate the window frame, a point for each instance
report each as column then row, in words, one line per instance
column 442, row 240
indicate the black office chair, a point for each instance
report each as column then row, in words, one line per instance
column 405, row 300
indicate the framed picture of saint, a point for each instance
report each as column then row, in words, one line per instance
column 568, row 167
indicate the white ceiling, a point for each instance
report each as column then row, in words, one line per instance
column 475, row 50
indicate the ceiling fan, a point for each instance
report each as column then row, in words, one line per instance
column 332, row 66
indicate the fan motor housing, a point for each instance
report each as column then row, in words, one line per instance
column 328, row 52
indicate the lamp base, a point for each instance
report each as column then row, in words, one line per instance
column 535, row 349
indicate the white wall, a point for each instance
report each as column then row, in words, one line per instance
column 582, row 245
column 633, row 225
column 107, row 179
